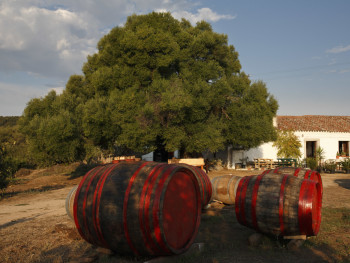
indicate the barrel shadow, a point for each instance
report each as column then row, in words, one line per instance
column 225, row 240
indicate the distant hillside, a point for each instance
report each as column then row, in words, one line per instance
column 8, row 121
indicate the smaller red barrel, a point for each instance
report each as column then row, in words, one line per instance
column 280, row 205
column 70, row 202
column 301, row 173
column 224, row 188
column 205, row 185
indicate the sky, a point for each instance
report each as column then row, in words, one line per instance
column 300, row 49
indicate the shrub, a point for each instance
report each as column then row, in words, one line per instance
column 311, row 163
column 5, row 169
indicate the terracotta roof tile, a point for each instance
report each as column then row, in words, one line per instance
column 321, row 123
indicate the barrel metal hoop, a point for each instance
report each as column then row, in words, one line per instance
column 243, row 201
column 201, row 179
column 75, row 208
column 306, row 176
column 96, row 204
column 317, row 222
column 156, row 206
column 266, row 172
column 305, row 207
column 238, row 199
column 144, row 206
column 313, row 175
column 296, row 172
column 210, row 187
column 254, row 199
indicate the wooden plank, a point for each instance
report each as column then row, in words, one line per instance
column 303, row 237
column 190, row 161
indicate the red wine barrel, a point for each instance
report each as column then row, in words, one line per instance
column 280, row 205
column 224, row 188
column 70, row 202
column 204, row 182
column 141, row 208
column 300, row 173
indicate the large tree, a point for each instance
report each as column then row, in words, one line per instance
column 160, row 80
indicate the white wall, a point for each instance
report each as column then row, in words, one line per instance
column 150, row 156
column 328, row 141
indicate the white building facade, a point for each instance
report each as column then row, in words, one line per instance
column 331, row 133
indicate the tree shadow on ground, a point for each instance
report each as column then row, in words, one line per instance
column 81, row 170
column 44, row 188
column 345, row 183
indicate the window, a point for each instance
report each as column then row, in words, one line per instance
column 344, row 147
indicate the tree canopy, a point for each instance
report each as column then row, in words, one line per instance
column 153, row 80
column 287, row 144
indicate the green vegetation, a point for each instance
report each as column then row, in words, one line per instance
column 345, row 164
column 154, row 81
column 13, row 153
column 287, row 144
column 5, row 171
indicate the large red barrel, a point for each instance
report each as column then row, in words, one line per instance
column 300, row 173
column 280, row 205
column 144, row 208
column 204, row 182
column 224, row 188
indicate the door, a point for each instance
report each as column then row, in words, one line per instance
column 311, row 149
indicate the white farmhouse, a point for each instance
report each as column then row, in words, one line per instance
column 331, row 133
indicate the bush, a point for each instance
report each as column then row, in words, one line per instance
column 5, row 169
column 311, row 163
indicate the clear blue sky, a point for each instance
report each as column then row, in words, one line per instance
column 300, row 49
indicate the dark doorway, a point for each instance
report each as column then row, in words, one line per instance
column 311, row 149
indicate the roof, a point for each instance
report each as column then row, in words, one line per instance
column 320, row 123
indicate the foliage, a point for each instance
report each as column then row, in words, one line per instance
column 52, row 131
column 287, row 144
column 153, row 80
column 330, row 166
column 345, row 164
column 13, row 143
column 5, row 169
column 8, row 120
column 311, row 163
column 319, row 156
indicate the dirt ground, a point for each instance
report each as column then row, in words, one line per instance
column 34, row 226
